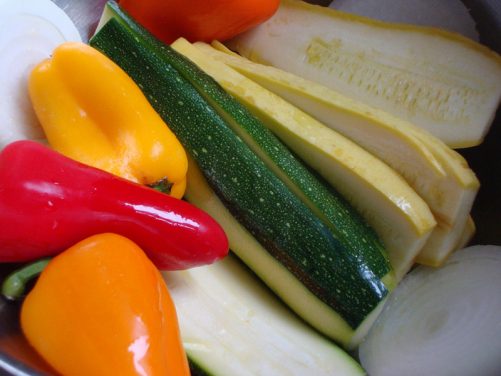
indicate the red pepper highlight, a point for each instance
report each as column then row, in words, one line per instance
column 49, row 202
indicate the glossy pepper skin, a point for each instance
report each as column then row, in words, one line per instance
column 49, row 202
column 199, row 20
column 102, row 308
column 93, row 112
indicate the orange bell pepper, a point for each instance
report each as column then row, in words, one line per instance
column 102, row 308
column 93, row 112
column 199, row 20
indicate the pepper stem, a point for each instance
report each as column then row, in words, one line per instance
column 162, row 185
column 14, row 286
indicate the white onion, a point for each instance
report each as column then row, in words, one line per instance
column 450, row 15
column 29, row 32
column 441, row 322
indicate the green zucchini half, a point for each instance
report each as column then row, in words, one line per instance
column 287, row 229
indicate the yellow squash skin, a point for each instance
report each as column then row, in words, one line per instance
column 93, row 112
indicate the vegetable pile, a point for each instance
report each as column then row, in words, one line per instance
column 329, row 173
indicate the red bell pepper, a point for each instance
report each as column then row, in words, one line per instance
column 199, row 20
column 49, row 202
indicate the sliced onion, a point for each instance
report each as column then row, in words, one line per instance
column 29, row 32
column 450, row 15
column 441, row 322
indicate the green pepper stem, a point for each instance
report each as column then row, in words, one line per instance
column 14, row 286
column 162, row 185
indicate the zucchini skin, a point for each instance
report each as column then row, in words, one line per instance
column 297, row 239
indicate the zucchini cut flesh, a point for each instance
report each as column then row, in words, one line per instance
column 434, row 171
column 295, row 238
column 400, row 217
column 438, row 80
column 232, row 325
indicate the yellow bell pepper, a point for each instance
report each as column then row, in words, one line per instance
column 93, row 112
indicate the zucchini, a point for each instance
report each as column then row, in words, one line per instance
column 440, row 81
column 230, row 324
column 427, row 164
column 349, row 228
column 289, row 231
column 276, row 276
column 401, row 218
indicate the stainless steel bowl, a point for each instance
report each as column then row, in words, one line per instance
column 17, row 358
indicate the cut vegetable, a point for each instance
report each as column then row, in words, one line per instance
column 30, row 30
column 395, row 211
column 294, row 238
column 438, row 80
column 231, row 325
column 438, row 175
column 277, row 277
column 397, row 142
column 441, row 321
column 448, row 234
column 357, row 239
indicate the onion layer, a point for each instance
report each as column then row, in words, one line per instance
column 444, row 321
column 29, row 32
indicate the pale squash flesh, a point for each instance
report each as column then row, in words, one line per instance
column 440, row 81
column 231, row 324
